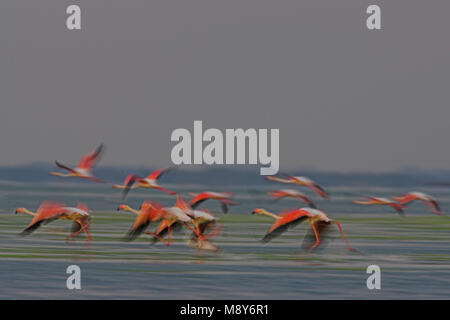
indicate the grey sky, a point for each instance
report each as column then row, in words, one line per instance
column 343, row 97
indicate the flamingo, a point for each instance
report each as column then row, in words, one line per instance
column 164, row 227
column 148, row 212
column 201, row 220
column 317, row 219
column 152, row 211
column 50, row 211
column 150, row 182
column 302, row 181
column 427, row 199
column 84, row 167
column 223, row 197
column 174, row 215
column 398, row 207
column 278, row 194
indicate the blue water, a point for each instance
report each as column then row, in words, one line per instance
column 414, row 257
column 102, row 197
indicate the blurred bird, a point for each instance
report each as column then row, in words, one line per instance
column 164, row 227
column 173, row 215
column 317, row 219
column 84, row 167
column 50, row 211
column 150, row 182
column 427, row 199
column 398, row 207
column 149, row 212
column 278, row 194
column 201, row 220
column 222, row 197
column 302, row 181
column 173, row 223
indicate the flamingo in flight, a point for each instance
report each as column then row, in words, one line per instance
column 50, row 211
column 302, row 181
column 150, row 212
column 317, row 219
column 278, row 194
column 398, row 207
column 150, row 182
column 425, row 198
column 201, row 220
column 166, row 225
column 222, row 197
column 84, row 167
column 147, row 213
column 174, row 216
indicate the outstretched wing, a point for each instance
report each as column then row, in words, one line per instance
column 195, row 204
column 284, row 222
column 128, row 183
column 319, row 190
column 158, row 173
column 82, row 207
column 433, row 205
column 405, row 199
column 60, row 165
column 202, row 197
column 89, row 160
column 140, row 224
column 47, row 212
column 163, row 229
column 135, row 232
column 275, row 233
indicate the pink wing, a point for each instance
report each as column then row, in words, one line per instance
column 60, row 165
column 89, row 160
column 82, row 206
column 47, row 211
column 157, row 174
column 129, row 181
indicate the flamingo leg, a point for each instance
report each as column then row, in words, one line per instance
column 213, row 233
column 193, row 230
column 205, row 242
column 155, row 235
column 313, row 226
column 83, row 228
column 197, row 235
column 343, row 237
column 73, row 234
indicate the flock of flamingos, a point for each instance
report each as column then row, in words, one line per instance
column 201, row 222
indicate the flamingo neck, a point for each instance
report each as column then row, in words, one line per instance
column 28, row 212
column 269, row 214
column 281, row 180
column 132, row 210
column 60, row 174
